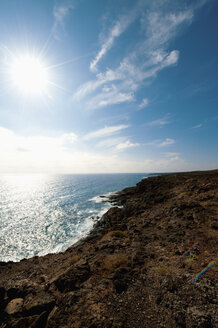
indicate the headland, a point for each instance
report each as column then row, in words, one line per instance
column 135, row 268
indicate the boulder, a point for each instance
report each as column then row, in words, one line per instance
column 14, row 306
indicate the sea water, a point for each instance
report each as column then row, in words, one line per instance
column 41, row 214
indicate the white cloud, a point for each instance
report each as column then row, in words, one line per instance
column 161, row 143
column 88, row 88
column 110, row 142
column 170, row 154
column 161, row 25
column 172, row 58
column 166, row 142
column 127, row 144
column 118, row 86
column 161, row 22
column 9, row 141
column 104, row 99
column 67, row 139
column 115, row 31
column 116, row 144
column 160, row 122
column 143, row 104
column 60, row 12
column 106, row 131
column 197, row 126
column 43, row 154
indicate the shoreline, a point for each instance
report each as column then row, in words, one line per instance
column 123, row 273
column 54, row 222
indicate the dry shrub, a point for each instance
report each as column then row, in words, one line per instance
column 116, row 234
column 113, row 261
column 148, row 265
column 165, row 270
column 190, row 258
column 75, row 258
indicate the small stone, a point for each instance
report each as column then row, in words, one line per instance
column 14, row 306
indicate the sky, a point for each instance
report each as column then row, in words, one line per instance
column 108, row 86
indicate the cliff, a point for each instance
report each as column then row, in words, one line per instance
column 129, row 271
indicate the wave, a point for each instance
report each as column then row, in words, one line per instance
column 103, row 198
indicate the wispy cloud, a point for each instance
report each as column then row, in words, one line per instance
column 166, row 142
column 126, row 144
column 161, row 143
column 106, row 131
column 170, row 154
column 110, row 96
column 119, row 85
column 197, row 126
column 110, row 142
column 116, row 144
column 143, row 104
column 60, row 13
column 160, row 122
column 120, row 25
column 160, row 23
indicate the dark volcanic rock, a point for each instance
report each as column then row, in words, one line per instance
column 128, row 272
column 2, row 298
column 73, row 277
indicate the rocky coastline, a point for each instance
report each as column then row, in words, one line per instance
column 129, row 271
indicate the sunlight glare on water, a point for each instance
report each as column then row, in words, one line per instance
column 41, row 214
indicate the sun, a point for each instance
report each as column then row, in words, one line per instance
column 29, row 75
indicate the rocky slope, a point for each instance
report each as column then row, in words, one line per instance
column 126, row 273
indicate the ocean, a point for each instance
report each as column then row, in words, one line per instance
column 42, row 214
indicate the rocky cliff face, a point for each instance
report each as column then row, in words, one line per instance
column 126, row 273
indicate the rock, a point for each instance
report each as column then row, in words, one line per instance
column 38, row 304
column 14, row 306
column 41, row 321
column 52, row 313
column 73, row 277
column 2, row 293
column 2, row 298
column 121, row 280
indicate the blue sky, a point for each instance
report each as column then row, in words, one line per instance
column 131, row 86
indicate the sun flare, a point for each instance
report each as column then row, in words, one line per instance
column 29, row 75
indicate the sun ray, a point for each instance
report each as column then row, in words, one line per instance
column 69, row 61
column 59, row 86
column 29, row 75
column 46, row 46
